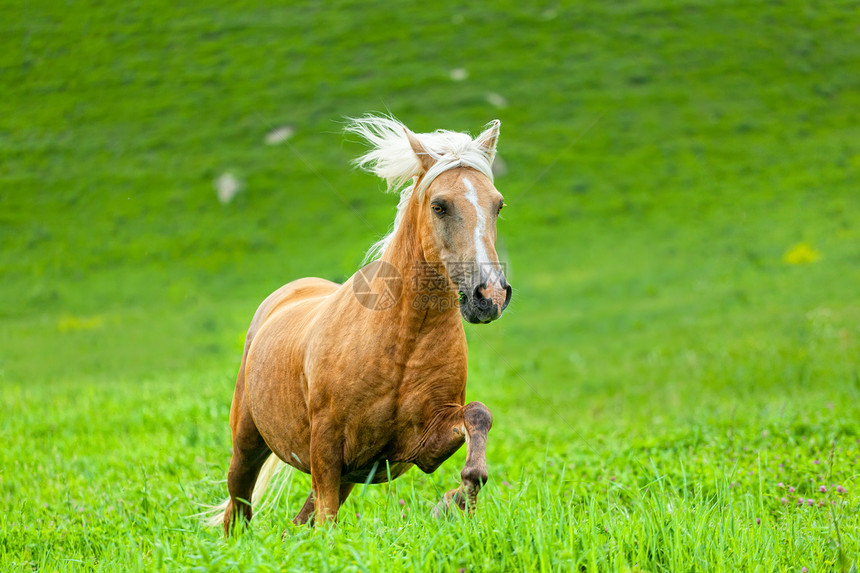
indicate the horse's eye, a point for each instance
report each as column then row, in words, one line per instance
column 438, row 209
column 502, row 206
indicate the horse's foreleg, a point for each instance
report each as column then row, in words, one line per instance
column 477, row 421
column 345, row 489
column 306, row 513
column 326, row 466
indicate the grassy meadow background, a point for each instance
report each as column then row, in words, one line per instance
column 675, row 386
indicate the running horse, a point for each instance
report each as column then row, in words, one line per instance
column 357, row 383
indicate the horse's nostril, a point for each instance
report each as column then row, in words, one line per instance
column 479, row 296
column 480, row 299
column 508, row 292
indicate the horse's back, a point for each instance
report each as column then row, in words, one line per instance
column 289, row 294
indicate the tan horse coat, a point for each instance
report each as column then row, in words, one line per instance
column 349, row 393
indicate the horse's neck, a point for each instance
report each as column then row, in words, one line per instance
column 428, row 303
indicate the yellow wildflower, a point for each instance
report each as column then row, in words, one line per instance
column 801, row 254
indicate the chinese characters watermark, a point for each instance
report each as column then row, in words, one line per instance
column 380, row 285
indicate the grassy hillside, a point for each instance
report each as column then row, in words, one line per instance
column 683, row 237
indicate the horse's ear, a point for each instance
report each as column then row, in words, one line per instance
column 423, row 157
column 490, row 138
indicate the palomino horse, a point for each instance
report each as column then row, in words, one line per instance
column 358, row 382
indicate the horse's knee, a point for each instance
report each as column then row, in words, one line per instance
column 477, row 417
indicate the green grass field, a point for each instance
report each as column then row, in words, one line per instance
column 675, row 386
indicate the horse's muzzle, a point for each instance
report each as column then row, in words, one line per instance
column 485, row 303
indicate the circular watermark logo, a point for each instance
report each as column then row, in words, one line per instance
column 378, row 286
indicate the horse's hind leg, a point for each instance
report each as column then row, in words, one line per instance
column 249, row 454
column 477, row 421
column 306, row 513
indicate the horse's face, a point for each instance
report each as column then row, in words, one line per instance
column 459, row 212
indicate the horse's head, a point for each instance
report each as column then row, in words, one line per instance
column 451, row 200
column 457, row 214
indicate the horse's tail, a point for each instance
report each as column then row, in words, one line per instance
column 214, row 516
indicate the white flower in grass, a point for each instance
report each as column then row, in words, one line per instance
column 227, row 186
column 279, row 135
column 497, row 100
column 459, row 74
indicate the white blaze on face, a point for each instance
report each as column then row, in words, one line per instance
column 481, row 257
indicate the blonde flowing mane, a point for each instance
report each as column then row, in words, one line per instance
column 392, row 158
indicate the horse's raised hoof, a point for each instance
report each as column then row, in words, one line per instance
column 443, row 508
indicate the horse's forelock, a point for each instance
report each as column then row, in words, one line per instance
column 392, row 158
